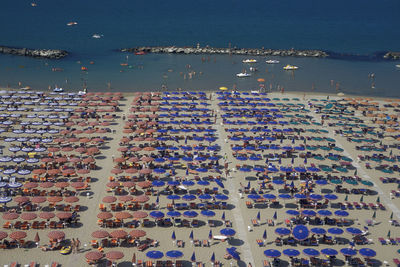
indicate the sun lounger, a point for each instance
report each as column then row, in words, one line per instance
column 382, row 240
column 396, row 262
column 260, row 242
column 255, row 222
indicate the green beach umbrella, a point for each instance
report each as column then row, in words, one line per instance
column 362, row 199
column 374, row 215
column 367, row 183
column 346, row 198
column 335, row 181
column 351, row 182
column 378, row 200
column 388, row 234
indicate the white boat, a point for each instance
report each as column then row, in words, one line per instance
column 290, row 67
column 249, row 61
column 58, row 90
column 398, row 66
column 272, row 61
column 243, row 75
column 72, row 23
column 96, row 36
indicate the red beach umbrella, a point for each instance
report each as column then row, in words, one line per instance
column 18, row 235
column 131, row 170
column 104, row 215
column 94, row 255
column 28, row 216
column 71, row 199
column 141, row 198
column 145, row 171
column 137, row 233
column 77, row 184
column 3, row 235
column 113, row 184
column 30, row 185
column 39, row 171
column 122, row 215
column 56, row 235
column 38, row 199
column 144, row 184
column 83, row 171
column 128, row 184
column 118, row 234
column 88, row 160
column 54, row 199
column 117, row 171
column 64, row 215
column 10, row 216
column 109, row 199
column 53, row 171
column 139, row 214
column 22, row 199
column 46, row 185
column 62, row 184
column 47, row 215
column 100, row 234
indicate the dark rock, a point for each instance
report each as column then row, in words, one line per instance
column 38, row 53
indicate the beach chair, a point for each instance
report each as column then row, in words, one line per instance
column 260, row 242
column 270, row 222
column 205, row 243
column 266, row 263
column 392, row 241
column 14, row 264
column 396, row 262
column 32, row 264
column 382, row 240
column 149, row 264
column 249, row 204
column 54, row 264
column 255, row 222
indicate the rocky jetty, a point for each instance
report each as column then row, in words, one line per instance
column 227, row 51
column 392, row 55
column 38, row 53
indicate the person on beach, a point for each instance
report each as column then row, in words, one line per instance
column 77, row 245
column 73, row 245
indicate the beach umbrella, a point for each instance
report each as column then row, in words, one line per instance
column 174, row 254
column 56, row 235
column 367, row 252
column 285, row 196
column 291, row 252
column 388, row 234
column 190, row 214
column 189, row 197
column 321, row 182
column 208, row 213
column 156, row 214
column 227, row 232
column 10, row 216
column 300, row 196
column 354, row 231
column 341, row 213
column 265, row 235
column 293, row 212
column 155, row 254
column 173, row 237
column 275, row 217
column 378, row 200
column 282, row 231
column 191, row 237
column 269, row 196
column 221, row 197
column 374, row 215
column 232, row 251
column 329, row 251
column 335, row 231
column 114, row 255
column 348, row 252
column 308, row 213
column 100, row 234
column 213, row 257
column 318, row 231
column 315, row 197
column 300, row 232
column 173, row 213
column 193, row 258
column 94, row 255
column 3, row 235
column 324, row 212
column 272, row 253
column 311, row 252
column 331, row 196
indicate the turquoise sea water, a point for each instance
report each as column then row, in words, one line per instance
column 357, row 27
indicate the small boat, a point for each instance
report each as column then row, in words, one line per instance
column 33, row 4
column 66, row 250
column 124, row 64
column 96, row 36
column 272, row 61
column 84, row 68
column 249, row 61
column 243, row 75
column 290, row 67
column 57, row 69
column 72, row 23
column 253, row 69
column 58, row 90
column 140, row 53
column 398, row 65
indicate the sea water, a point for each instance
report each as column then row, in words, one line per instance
column 356, row 27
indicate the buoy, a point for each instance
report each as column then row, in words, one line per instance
column 83, row 68
column 91, row 62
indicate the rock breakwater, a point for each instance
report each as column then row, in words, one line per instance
column 37, row 53
column 227, row 51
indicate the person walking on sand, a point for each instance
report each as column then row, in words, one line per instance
column 73, row 245
column 77, row 245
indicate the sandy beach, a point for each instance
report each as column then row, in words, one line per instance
column 347, row 136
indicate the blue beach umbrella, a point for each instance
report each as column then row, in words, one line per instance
column 324, row 212
column 213, row 257
column 155, row 254
column 269, row 196
column 221, row 197
column 227, row 232
column 188, row 183
column 282, row 231
column 156, row 214
column 191, row 235
column 293, row 212
column 308, row 213
column 291, row 252
column 300, row 232
column 321, row 182
column 205, row 197
column 329, row 251
column 210, row 234
column 173, row 197
column 173, row 237
column 189, row 197
column 300, row 196
column 208, row 213
column 311, row 252
column 341, row 213
column 174, row 254
column 158, row 183
column 348, row 252
column 272, row 253
column 173, row 183
column 315, row 197
column 232, row 251
column 318, row 231
column 254, row 196
column 367, row 252
column 331, row 196
column 174, row 213
column 159, row 170
column 285, row 196
column 265, row 234
column 193, row 258
column 190, row 214
column 354, row 231
column 219, row 182
column 203, row 183
column 278, row 182
column 335, row 231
